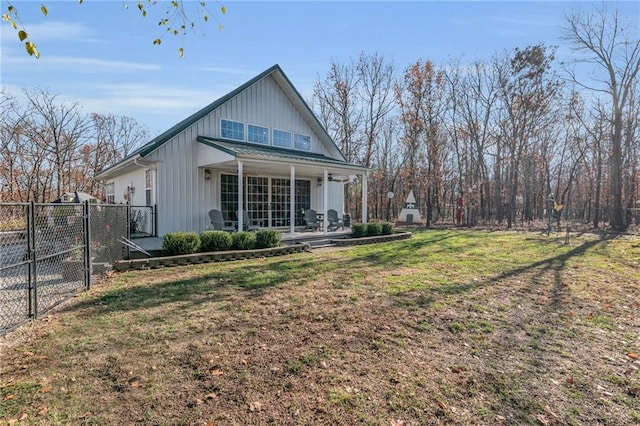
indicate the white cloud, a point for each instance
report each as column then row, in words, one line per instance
column 60, row 30
column 155, row 106
column 51, row 30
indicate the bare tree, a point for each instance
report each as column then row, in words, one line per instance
column 59, row 129
column 609, row 44
column 376, row 93
column 114, row 137
column 337, row 96
column 527, row 93
column 473, row 93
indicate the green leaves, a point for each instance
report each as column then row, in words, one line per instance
column 43, row 9
column 22, row 35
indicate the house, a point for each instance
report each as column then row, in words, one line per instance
column 263, row 131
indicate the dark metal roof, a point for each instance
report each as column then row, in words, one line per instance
column 254, row 150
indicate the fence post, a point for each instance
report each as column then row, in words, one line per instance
column 87, row 244
column 155, row 220
column 32, row 295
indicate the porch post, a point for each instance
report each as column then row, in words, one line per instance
column 364, row 198
column 240, row 196
column 325, row 201
column 292, row 197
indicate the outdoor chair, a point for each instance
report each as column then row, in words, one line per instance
column 218, row 223
column 311, row 220
column 249, row 224
column 333, row 221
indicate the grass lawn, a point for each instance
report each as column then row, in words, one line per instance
column 449, row 327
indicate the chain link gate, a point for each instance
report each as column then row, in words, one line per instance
column 50, row 252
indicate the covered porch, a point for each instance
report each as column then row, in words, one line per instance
column 278, row 185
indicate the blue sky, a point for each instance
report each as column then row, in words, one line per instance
column 101, row 55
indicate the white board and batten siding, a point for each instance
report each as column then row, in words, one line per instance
column 183, row 195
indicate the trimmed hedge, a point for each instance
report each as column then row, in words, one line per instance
column 215, row 241
column 175, row 243
column 267, row 238
column 387, row 228
column 359, row 230
column 243, row 240
column 374, row 229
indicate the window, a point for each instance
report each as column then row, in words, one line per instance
column 303, row 199
column 258, row 134
column 229, row 196
column 232, row 130
column 148, row 181
column 303, row 142
column 281, row 139
column 110, row 192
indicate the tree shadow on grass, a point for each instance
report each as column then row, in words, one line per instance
column 401, row 251
column 556, row 264
column 210, row 287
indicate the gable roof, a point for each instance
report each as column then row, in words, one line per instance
column 281, row 79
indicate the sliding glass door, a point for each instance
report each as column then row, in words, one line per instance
column 267, row 200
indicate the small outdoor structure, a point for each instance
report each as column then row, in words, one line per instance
column 76, row 197
column 259, row 149
column 410, row 214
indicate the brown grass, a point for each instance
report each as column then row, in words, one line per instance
column 450, row 327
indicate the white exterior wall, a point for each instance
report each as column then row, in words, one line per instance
column 183, row 196
column 134, row 179
column 264, row 104
column 336, row 197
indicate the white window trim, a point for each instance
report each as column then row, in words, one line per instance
column 303, row 135
column 283, row 131
column 110, row 191
column 244, row 129
column 262, row 127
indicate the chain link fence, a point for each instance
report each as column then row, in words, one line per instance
column 142, row 221
column 50, row 252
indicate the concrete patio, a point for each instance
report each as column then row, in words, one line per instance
column 313, row 238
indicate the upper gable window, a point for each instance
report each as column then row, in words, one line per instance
column 232, row 129
column 258, row 134
column 281, row 139
column 302, row 142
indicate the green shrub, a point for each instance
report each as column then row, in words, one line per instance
column 358, row 230
column 267, row 238
column 387, row 228
column 374, row 229
column 175, row 243
column 243, row 240
column 215, row 241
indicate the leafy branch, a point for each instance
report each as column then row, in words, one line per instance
column 177, row 20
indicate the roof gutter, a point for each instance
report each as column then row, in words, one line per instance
column 118, row 166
